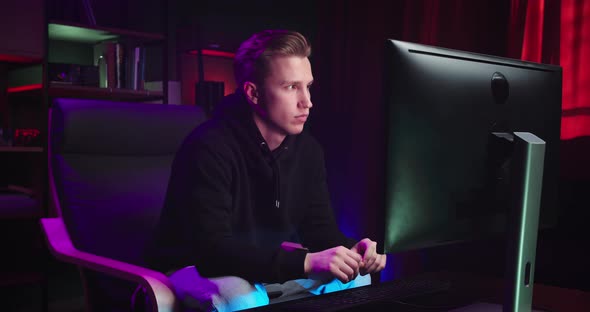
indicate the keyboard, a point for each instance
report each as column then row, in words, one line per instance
column 360, row 296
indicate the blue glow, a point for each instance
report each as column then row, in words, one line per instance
column 389, row 273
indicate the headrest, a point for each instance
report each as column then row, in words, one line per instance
column 120, row 128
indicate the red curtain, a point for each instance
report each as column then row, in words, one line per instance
column 558, row 32
column 540, row 28
column 575, row 60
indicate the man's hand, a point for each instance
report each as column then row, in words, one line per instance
column 371, row 262
column 338, row 262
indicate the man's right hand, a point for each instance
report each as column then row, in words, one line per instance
column 338, row 262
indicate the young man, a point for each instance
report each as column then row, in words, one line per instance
column 247, row 203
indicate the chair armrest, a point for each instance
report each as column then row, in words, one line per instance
column 160, row 289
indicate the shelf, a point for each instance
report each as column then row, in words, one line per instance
column 20, row 278
column 74, row 91
column 14, row 60
column 21, row 149
column 60, row 90
column 73, row 32
column 18, row 206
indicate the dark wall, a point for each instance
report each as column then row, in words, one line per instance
column 225, row 23
column 139, row 15
column 348, row 114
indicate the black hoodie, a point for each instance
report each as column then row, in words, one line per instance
column 231, row 202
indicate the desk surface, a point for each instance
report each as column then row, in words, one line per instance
column 490, row 289
column 466, row 290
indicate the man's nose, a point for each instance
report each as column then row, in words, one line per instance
column 305, row 100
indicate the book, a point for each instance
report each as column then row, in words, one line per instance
column 106, row 59
column 120, row 64
column 136, row 67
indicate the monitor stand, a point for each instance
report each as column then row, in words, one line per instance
column 527, row 181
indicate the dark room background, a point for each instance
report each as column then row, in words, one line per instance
column 347, row 38
column 348, row 67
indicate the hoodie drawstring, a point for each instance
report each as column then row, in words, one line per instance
column 276, row 170
column 276, row 173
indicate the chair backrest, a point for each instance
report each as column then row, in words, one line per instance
column 110, row 163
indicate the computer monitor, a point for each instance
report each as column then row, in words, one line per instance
column 454, row 173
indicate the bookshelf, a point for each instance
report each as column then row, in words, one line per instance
column 73, row 91
column 73, row 43
column 69, row 31
column 22, row 41
column 34, row 35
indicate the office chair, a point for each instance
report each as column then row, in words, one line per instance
column 109, row 165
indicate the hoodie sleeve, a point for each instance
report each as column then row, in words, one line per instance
column 196, row 223
column 319, row 229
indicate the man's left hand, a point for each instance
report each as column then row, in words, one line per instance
column 372, row 262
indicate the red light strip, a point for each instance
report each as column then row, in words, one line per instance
column 213, row 53
column 17, row 58
column 24, row 88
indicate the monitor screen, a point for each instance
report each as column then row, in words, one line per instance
column 448, row 170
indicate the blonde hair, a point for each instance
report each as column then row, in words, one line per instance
column 253, row 55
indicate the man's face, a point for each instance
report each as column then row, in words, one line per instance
column 284, row 99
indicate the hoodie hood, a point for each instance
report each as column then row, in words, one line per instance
column 234, row 108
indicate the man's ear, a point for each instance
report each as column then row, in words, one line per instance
column 251, row 92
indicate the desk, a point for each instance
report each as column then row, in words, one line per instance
column 466, row 289
column 490, row 289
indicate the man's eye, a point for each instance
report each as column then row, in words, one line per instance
column 291, row 87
